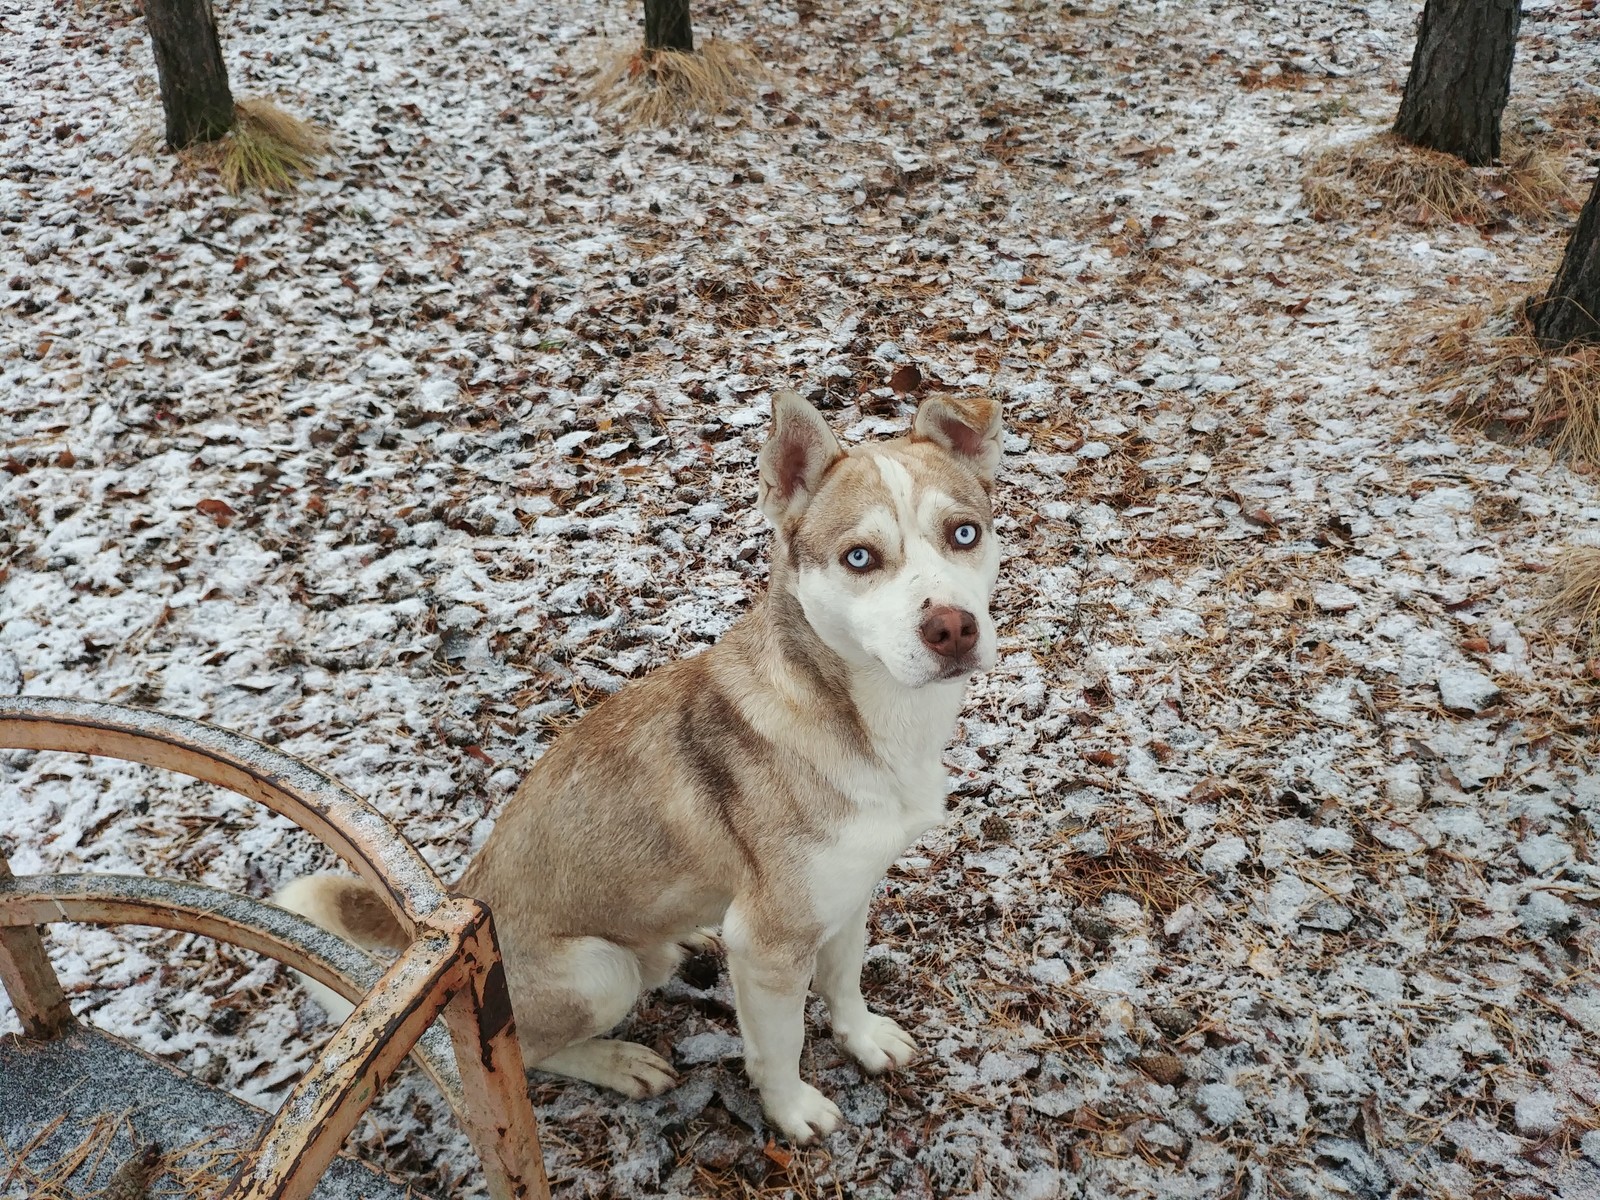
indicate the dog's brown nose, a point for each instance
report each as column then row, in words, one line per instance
column 949, row 632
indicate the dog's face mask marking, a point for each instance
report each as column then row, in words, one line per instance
column 892, row 544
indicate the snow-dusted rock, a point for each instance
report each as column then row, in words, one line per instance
column 1222, row 1103
column 1465, row 690
column 1335, row 598
column 1537, row 1114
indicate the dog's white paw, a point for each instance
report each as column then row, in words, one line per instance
column 803, row 1114
column 627, row 1067
column 879, row 1044
column 701, row 941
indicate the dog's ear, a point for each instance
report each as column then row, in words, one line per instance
column 968, row 428
column 796, row 457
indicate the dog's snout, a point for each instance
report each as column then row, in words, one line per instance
column 949, row 632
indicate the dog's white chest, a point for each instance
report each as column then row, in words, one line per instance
column 894, row 810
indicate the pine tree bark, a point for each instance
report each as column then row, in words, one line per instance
column 666, row 25
column 194, row 83
column 1568, row 311
column 1460, row 77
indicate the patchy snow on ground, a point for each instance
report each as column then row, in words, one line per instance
column 1270, row 868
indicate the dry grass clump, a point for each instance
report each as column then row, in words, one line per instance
column 1158, row 882
column 1426, row 186
column 660, row 88
column 265, row 150
column 1566, row 407
column 1504, row 380
column 1577, row 590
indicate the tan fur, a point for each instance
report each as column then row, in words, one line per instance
column 715, row 790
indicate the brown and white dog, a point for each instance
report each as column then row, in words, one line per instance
column 763, row 785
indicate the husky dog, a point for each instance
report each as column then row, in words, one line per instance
column 764, row 785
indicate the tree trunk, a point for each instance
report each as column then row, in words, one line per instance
column 1568, row 311
column 194, row 83
column 1460, row 77
column 666, row 25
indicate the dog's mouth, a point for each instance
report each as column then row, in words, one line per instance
column 959, row 668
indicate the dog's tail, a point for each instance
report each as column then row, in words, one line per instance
column 349, row 908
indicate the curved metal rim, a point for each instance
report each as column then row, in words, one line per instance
column 226, row 917
column 320, row 805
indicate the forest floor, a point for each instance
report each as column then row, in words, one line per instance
column 1272, row 864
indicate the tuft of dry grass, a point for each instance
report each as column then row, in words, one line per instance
column 1158, row 882
column 265, row 150
column 1577, row 590
column 1425, row 186
column 1504, row 380
column 1566, row 407
column 659, row 88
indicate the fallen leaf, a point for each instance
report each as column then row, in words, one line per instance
column 1476, row 645
column 1260, row 961
column 480, row 754
column 218, row 510
column 1102, row 758
column 906, row 379
column 778, row 1154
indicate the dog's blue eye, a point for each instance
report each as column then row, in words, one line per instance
column 858, row 558
column 964, row 535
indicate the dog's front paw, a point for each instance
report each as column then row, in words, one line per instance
column 879, row 1044
column 803, row 1114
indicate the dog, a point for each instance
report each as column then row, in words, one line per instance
column 763, row 785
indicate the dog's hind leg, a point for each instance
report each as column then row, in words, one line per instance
column 568, row 991
column 627, row 1067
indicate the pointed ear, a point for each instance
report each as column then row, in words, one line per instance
column 796, row 457
column 968, row 428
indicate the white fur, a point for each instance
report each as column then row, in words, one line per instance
column 305, row 897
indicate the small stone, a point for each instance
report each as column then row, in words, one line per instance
column 1224, row 855
column 1163, row 1068
column 1537, row 1114
column 137, row 266
column 1329, row 915
column 1222, row 1103
column 1590, row 1142
column 1335, row 598
column 1464, row 690
column 1546, row 915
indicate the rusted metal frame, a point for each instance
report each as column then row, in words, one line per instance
column 492, row 1100
column 323, row 807
column 495, row 1108
column 296, row 1148
column 30, row 900
column 28, row 978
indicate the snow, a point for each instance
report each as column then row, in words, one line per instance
column 1537, row 1114
column 484, row 400
column 1222, row 1103
column 1463, row 689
